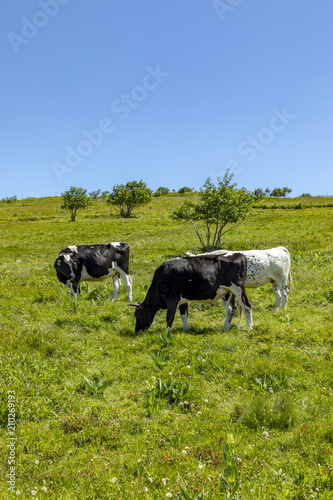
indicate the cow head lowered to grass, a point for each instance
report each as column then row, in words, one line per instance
column 204, row 279
column 94, row 263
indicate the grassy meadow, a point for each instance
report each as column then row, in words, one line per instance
column 104, row 413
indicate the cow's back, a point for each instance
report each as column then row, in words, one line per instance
column 263, row 266
column 198, row 276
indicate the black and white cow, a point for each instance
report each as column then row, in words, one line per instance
column 94, row 263
column 263, row 266
column 199, row 279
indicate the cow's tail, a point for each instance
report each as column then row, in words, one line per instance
column 290, row 280
column 239, row 316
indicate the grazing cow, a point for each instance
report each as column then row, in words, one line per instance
column 263, row 266
column 94, row 263
column 205, row 279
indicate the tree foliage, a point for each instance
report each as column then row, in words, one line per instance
column 10, row 199
column 74, row 199
column 95, row 194
column 220, row 208
column 259, row 194
column 161, row 191
column 126, row 197
column 185, row 189
column 105, row 194
column 280, row 192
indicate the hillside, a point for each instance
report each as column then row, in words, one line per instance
column 102, row 412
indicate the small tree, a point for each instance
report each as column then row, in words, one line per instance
column 95, row 194
column 75, row 199
column 185, row 189
column 10, row 199
column 105, row 194
column 280, row 192
column 161, row 191
column 286, row 191
column 130, row 196
column 259, row 194
column 218, row 207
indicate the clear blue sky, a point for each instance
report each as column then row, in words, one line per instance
column 99, row 93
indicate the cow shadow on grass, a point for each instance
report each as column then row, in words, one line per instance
column 196, row 331
column 126, row 332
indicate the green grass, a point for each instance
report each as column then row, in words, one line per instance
column 95, row 413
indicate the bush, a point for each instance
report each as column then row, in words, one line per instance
column 161, row 191
column 9, row 199
column 185, row 189
column 127, row 197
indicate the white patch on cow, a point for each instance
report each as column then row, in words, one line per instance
column 66, row 257
column 222, row 290
column 127, row 280
column 73, row 248
column 185, row 322
column 85, row 276
column 116, row 243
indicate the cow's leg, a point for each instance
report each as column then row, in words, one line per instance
column 127, row 280
column 75, row 289
column 244, row 302
column 230, row 307
column 277, row 291
column 116, row 285
column 171, row 311
column 128, row 285
column 183, row 309
column 284, row 292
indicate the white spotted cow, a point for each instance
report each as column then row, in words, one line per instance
column 94, row 263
